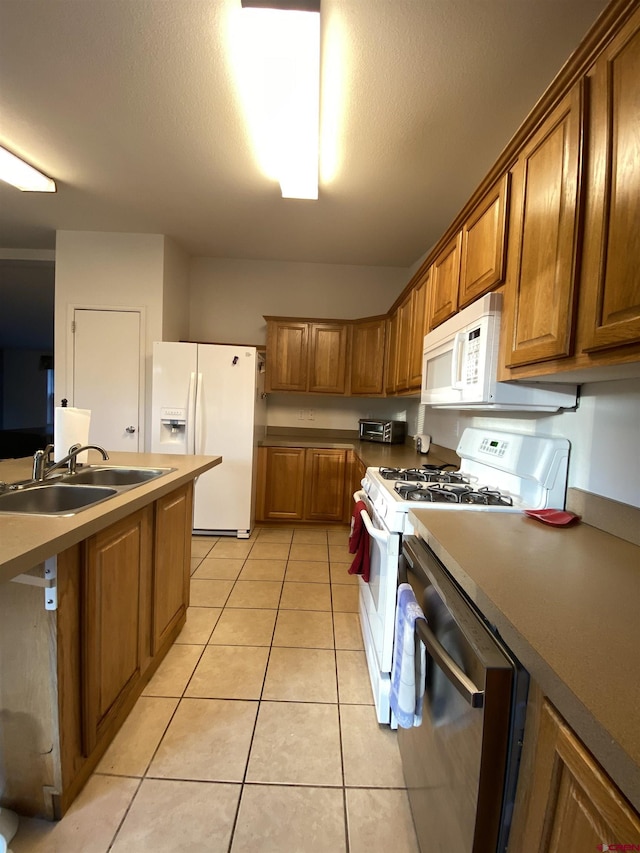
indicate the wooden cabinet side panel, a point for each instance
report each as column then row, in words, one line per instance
column 287, row 355
column 445, row 277
column 484, row 246
column 418, row 330
column 391, row 356
column 171, row 563
column 545, row 263
column 611, row 275
column 328, row 344
column 403, row 345
column 284, row 483
column 324, row 484
column 367, row 357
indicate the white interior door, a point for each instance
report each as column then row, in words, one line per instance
column 107, row 375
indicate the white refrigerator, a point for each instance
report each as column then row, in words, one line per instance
column 209, row 399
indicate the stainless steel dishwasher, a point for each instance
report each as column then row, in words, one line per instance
column 461, row 764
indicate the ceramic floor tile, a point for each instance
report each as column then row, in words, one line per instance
column 201, row 547
column 229, row 672
column 311, row 629
column 307, row 571
column 209, row 593
column 263, row 570
column 173, row 674
column 309, row 537
column 168, row 816
column 309, row 552
column 199, row 625
column 370, row 751
column 296, row 743
column 273, row 819
column 207, row 740
column 305, row 596
column 255, row 594
column 244, row 627
column 338, row 535
column 229, row 547
column 88, row 826
column 340, row 574
column 195, row 562
column 347, row 631
column 340, row 553
column 219, row 568
column 133, row 747
column 269, row 550
column 275, row 534
column 301, row 675
column 354, row 687
column 345, row 598
column 380, row 820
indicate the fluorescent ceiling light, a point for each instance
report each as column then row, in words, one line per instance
column 15, row 171
column 280, row 82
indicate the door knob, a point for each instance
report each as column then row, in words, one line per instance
column 131, row 429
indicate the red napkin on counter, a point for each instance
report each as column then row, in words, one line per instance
column 359, row 543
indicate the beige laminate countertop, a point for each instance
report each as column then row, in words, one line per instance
column 565, row 600
column 27, row 540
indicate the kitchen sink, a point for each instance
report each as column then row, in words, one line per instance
column 53, row 499
column 111, row 475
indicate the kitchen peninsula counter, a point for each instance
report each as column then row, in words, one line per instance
column 565, row 600
column 27, row 540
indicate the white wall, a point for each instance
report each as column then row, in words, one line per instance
column 604, row 433
column 175, row 302
column 320, row 412
column 229, row 297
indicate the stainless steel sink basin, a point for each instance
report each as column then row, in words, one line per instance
column 115, row 475
column 53, row 499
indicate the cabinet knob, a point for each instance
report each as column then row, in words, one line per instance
column 131, row 429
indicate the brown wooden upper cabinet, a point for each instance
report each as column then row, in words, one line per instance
column 445, row 276
column 367, row 356
column 542, row 266
column 403, row 344
column 391, row 353
column 611, row 262
column 484, row 244
column 419, row 320
column 307, row 355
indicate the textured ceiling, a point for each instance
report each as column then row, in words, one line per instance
column 131, row 106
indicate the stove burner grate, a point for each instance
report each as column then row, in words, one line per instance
column 459, row 493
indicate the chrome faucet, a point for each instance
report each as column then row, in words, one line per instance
column 41, row 469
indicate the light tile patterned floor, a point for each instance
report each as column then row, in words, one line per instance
column 257, row 734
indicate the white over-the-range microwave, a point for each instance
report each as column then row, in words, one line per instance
column 460, row 366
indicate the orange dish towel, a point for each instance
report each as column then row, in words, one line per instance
column 359, row 543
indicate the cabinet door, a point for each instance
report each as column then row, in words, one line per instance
column 328, row 343
column 546, row 180
column 170, row 580
column 281, row 483
column 324, row 484
column 392, row 349
column 419, row 296
column 611, row 266
column 117, row 572
column 403, row 345
column 367, row 357
column 287, row 355
column 573, row 806
column 445, row 276
column 484, row 246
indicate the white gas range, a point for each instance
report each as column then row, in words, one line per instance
column 499, row 472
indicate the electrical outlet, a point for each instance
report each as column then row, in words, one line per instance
column 311, row 415
column 301, row 415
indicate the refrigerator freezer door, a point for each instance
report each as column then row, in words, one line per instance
column 173, row 397
column 226, row 408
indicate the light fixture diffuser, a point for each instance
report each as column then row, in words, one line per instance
column 281, row 88
column 15, row 171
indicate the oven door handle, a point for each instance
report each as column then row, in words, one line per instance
column 380, row 535
column 463, row 684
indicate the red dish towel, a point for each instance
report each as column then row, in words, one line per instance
column 359, row 543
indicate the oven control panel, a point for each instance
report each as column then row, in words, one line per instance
column 494, row 446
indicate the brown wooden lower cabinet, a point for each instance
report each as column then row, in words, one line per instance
column 301, row 484
column 565, row 801
column 122, row 599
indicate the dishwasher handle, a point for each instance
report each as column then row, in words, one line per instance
column 463, row 684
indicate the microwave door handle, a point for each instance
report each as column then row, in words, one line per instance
column 458, row 346
column 463, row 684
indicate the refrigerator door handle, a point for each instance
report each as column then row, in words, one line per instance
column 189, row 443
column 199, row 436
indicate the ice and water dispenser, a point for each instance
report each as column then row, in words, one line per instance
column 173, row 428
